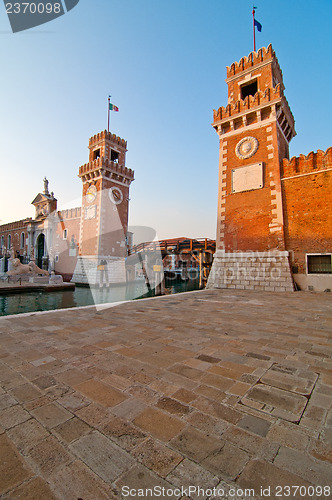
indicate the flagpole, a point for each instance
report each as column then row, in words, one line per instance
column 253, row 18
column 108, row 121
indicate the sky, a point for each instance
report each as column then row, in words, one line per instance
column 164, row 64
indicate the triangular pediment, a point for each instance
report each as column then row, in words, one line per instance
column 40, row 198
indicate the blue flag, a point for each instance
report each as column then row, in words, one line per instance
column 258, row 25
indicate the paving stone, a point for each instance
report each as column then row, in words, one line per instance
column 78, row 481
column 172, row 406
column 73, row 401
column 240, row 388
column 321, row 449
column 252, row 443
column 48, row 455
column 229, row 461
column 277, row 402
column 45, row 381
column 101, row 393
column 211, row 393
column 26, row 435
column 103, row 457
column 188, row 473
column 72, row 377
column 259, row 474
column 36, row 489
column 184, row 395
column 208, row 359
column 207, row 423
column 288, row 435
column 6, row 401
column 144, row 393
column 139, row 479
column 195, row 444
column 254, row 424
column 316, row 471
column 157, row 457
column 129, row 409
column 123, row 433
column 217, row 381
column 36, row 403
column 25, row 392
column 71, row 430
column 290, row 381
column 217, row 410
column 43, row 361
column 186, row 371
column 12, row 416
column 94, row 415
column 51, row 415
column 13, row 470
column 160, row 425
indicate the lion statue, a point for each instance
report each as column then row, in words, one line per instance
column 36, row 270
column 19, row 268
column 31, row 268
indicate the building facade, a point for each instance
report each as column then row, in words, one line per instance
column 74, row 242
column 274, row 230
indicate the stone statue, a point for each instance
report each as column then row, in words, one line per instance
column 31, row 269
column 46, row 186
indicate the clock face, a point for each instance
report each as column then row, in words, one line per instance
column 246, row 147
column 116, row 195
column 91, row 193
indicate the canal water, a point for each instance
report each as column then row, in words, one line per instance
column 84, row 296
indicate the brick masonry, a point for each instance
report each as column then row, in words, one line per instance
column 266, row 213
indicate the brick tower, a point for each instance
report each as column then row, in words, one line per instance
column 254, row 130
column 104, row 215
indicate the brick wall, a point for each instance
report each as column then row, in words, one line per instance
column 307, row 201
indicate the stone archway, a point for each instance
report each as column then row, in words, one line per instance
column 40, row 250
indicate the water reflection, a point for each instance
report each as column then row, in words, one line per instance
column 84, row 296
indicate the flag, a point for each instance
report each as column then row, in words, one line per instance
column 258, row 25
column 113, row 108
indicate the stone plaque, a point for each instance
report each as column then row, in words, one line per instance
column 90, row 212
column 247, row 178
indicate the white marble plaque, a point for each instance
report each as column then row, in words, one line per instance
column 90, row 212
column 247, row 178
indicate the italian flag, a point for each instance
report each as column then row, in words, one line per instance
column 113, row 108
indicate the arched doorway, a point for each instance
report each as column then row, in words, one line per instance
column 40, row 250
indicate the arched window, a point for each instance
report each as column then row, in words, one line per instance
column 2, row 241
column 9, row 241
column 22, row 240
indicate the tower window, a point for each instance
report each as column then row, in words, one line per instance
column 319, row 264
column 65, row 233
column 249, row 89
column 96, row 154
column 114, row 155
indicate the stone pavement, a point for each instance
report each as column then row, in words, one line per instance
column 215, row 389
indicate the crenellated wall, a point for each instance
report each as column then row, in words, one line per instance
column 253, row 59
column 101, row 162
column 313, row 162
column 101, row 136
column 260, row 98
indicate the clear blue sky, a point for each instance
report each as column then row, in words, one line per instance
column 164, row 63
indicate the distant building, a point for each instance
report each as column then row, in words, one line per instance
column 74, row 242
column 274, row 224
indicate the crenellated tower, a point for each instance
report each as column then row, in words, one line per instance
column 254, row 130
column 105, row 203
